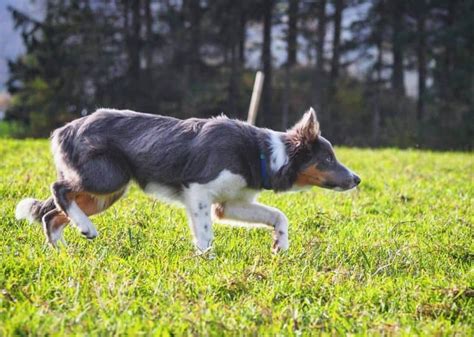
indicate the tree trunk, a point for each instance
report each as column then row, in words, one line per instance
column 449, row 48
column 291, row 59
column 149, row 42
column 336, row 42
column 134, row 47
column 376, row 117
column 398, row 48
column 126, row 21
column 319, row 80
column 292, row 32
column 235, row 12
column 267, row 62
column 242, row 34
column 236, row 44
column 195, row 38
column 233, row 81
column 421, row 59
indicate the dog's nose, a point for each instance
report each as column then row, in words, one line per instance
column 356, row 180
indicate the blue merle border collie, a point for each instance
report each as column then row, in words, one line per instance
column 214, row 167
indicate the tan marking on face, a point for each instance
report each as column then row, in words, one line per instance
column 311, row 176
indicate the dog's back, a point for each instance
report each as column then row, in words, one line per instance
column 157, row 148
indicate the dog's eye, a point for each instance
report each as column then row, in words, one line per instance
column 329, row 159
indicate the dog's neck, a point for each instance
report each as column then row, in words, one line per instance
column 273, row 161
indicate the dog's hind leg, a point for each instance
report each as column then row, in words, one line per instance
column 64, row 195
column 54, row 223
column 257, row 213
column 84, row 204
column 95, row 186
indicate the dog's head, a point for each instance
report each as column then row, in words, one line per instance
column 318, row 165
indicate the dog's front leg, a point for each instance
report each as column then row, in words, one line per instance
column 255, row 212
column 198, row 209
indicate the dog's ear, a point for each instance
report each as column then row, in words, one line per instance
column 306, row 131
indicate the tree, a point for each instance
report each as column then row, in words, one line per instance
column 398, row 46
column 234, row 39
column 134, row 50
column 418, row 11
column 54, row 81
column 193, row 13
column 267, row 60
column 291, row 48
column 336, row 41
column 148, row 34
column 319, row 78
column 377, row 37
column 188, row 59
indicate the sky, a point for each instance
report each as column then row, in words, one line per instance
column 11, row 45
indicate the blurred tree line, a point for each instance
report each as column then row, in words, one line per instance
column 191, row 58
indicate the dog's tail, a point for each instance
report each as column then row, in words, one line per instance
column 33, row 210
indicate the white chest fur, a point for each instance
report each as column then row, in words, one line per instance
column 226, row 186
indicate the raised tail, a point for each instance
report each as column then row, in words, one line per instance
column 33, row 210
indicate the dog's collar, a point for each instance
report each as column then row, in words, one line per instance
column 263, row 173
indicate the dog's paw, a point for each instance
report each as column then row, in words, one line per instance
column 207, row 254
column 280, row 241
column 90, row 234
column 279, row 245
column 55, row 237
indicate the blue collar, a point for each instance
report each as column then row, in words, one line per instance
column 263, row 173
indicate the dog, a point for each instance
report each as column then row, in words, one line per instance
column 214, row 167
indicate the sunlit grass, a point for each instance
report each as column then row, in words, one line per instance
column 394, row 257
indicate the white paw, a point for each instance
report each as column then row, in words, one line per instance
column 89, row 232
column 202, row 246
column 281, row 242
column 55, row 237
column 205, row 253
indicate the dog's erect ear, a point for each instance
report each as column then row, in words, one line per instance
column 306, row 131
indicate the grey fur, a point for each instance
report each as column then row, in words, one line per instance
column 110, row 147
column 40, row 208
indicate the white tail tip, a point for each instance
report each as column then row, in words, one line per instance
column 23, row 210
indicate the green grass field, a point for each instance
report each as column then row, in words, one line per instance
column 393, row 258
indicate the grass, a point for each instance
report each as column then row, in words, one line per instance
column 11, row 129
column 393, row 258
